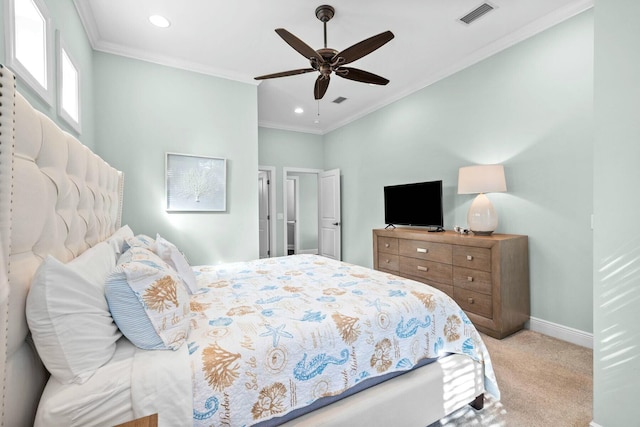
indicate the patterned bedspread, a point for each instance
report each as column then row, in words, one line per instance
column 270, row 336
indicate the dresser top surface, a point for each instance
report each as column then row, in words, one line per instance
column 447, row 236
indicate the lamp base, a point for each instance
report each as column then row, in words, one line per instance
column 482, row 217
column 482, row 233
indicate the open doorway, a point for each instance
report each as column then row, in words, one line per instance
column 311, row 206
column 302, row 213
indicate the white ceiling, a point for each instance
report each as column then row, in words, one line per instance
column 236, row 40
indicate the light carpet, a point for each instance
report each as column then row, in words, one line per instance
column 543, row 382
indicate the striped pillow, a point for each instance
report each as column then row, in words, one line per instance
column 148, row 301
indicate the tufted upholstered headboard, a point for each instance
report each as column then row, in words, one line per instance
column 56, row 197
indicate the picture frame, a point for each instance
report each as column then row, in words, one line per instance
column 195, row 183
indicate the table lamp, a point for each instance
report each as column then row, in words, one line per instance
column 482, row 218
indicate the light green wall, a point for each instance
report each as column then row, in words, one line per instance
column 530, row 108
column 616, row 205
column 145, row 110
column 280, row 149
column 64, row 19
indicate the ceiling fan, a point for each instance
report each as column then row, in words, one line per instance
column 327, row 60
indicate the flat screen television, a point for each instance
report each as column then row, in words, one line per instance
column 418, row 204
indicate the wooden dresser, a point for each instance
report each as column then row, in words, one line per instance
column 488, row 276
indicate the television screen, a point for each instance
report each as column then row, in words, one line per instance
column 418, row 204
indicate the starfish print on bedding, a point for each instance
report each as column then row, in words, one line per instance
column 276, row 333
column 377, row 304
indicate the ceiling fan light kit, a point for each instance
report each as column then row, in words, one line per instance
column 327, row 60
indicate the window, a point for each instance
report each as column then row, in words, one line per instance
column 68, row 87
column 28, row 45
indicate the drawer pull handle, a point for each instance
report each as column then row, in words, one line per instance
column 469, row 257
column 422, row 250
column 469, row 279
column 386, row 245
column 387, row 261
column 470, row 300
column 421, row 268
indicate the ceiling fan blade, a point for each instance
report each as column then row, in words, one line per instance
column 285, row 73
column 363, row 48
column 320, row 88
column 361, row 76
column 301, row 47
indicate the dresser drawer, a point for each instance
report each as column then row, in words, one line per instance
column 437, row 252
column 473, row 280
column 388, row 245
column 388, row 262
column 469, row 257
column 473, row 302
column 428, row 270
column 447, row 289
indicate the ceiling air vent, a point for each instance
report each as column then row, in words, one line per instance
column 339, row 100
column 477, row 13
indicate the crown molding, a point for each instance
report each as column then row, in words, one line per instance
column 536, row 27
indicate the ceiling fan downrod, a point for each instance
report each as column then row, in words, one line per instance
column 324, row 13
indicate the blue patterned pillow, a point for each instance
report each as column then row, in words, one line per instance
column 138, row 241
column 148, row 301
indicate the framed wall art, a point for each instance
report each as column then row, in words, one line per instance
column 195, row 183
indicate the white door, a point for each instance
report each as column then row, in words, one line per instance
column 264, row 219
column 329, row 214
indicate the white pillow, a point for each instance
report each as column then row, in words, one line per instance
column 68, row 314
column 170, row 254
column 118, row 238
column 148, row 301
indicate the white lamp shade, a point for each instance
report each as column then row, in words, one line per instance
column 481, row 179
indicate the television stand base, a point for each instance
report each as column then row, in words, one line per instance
column 436, row 230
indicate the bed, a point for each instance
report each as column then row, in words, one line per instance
column 297, row 340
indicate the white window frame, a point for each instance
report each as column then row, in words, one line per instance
column 63, row 49
column 22, row 72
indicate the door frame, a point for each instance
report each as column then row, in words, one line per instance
column 285, row 172
column 296, row 208
column 271, row 176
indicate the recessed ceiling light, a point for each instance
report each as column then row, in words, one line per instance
column 298, row 110
column 159, row 21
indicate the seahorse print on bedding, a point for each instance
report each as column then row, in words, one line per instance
column 317, row 364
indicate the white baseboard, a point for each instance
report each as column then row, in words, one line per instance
column 561, row 332
column 308, row 251
column 592, row 424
